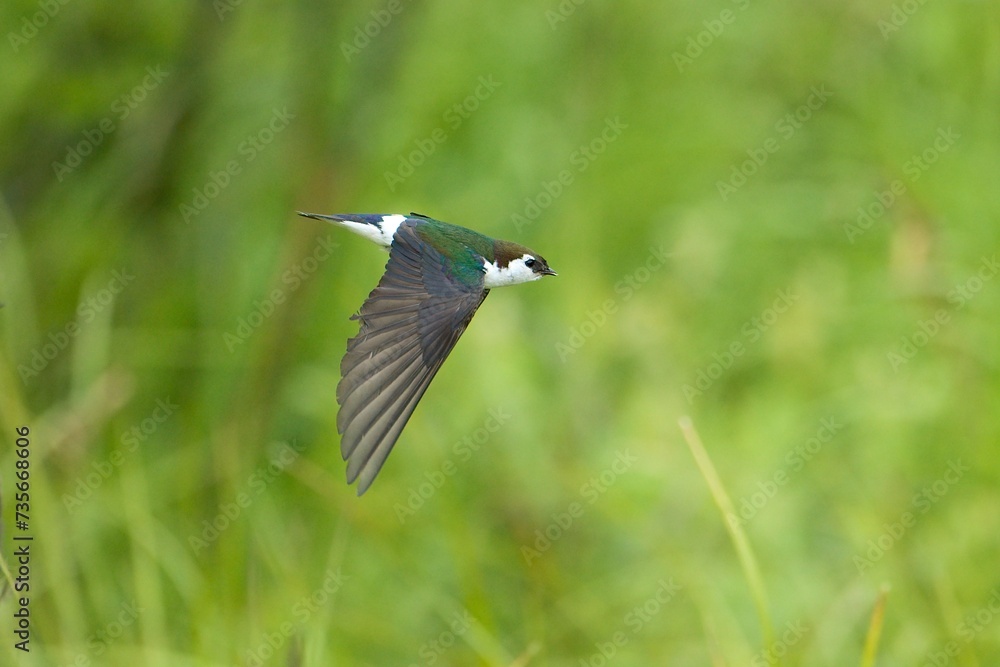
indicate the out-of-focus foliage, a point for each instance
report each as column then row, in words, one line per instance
column 777, row 218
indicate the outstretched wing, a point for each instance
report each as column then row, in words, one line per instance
column 409, row 324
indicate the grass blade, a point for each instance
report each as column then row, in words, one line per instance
column 748, row 562
column 875, row 628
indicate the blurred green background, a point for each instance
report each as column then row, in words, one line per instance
column 777, row 218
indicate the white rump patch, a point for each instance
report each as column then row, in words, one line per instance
column 390, row 223
column 382, row 234
column 515, row 273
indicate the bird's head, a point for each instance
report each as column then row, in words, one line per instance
column 516, row 264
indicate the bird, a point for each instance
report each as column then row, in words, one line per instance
column 437, row 276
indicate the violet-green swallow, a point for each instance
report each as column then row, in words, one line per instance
column 435, row 279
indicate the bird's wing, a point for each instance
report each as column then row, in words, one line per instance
column 409, row 324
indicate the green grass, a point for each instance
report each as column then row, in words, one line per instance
column 856, row 449
column 748, row 562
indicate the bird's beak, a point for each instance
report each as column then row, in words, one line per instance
column 549, row 272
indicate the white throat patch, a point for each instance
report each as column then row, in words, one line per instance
column 514, row 273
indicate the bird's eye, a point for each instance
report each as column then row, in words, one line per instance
column 530, row 262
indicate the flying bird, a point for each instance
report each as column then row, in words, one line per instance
column 436, row 277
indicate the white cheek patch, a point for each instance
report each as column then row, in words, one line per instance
column 515, row 273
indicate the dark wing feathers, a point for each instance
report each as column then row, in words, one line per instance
column 409, row 324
